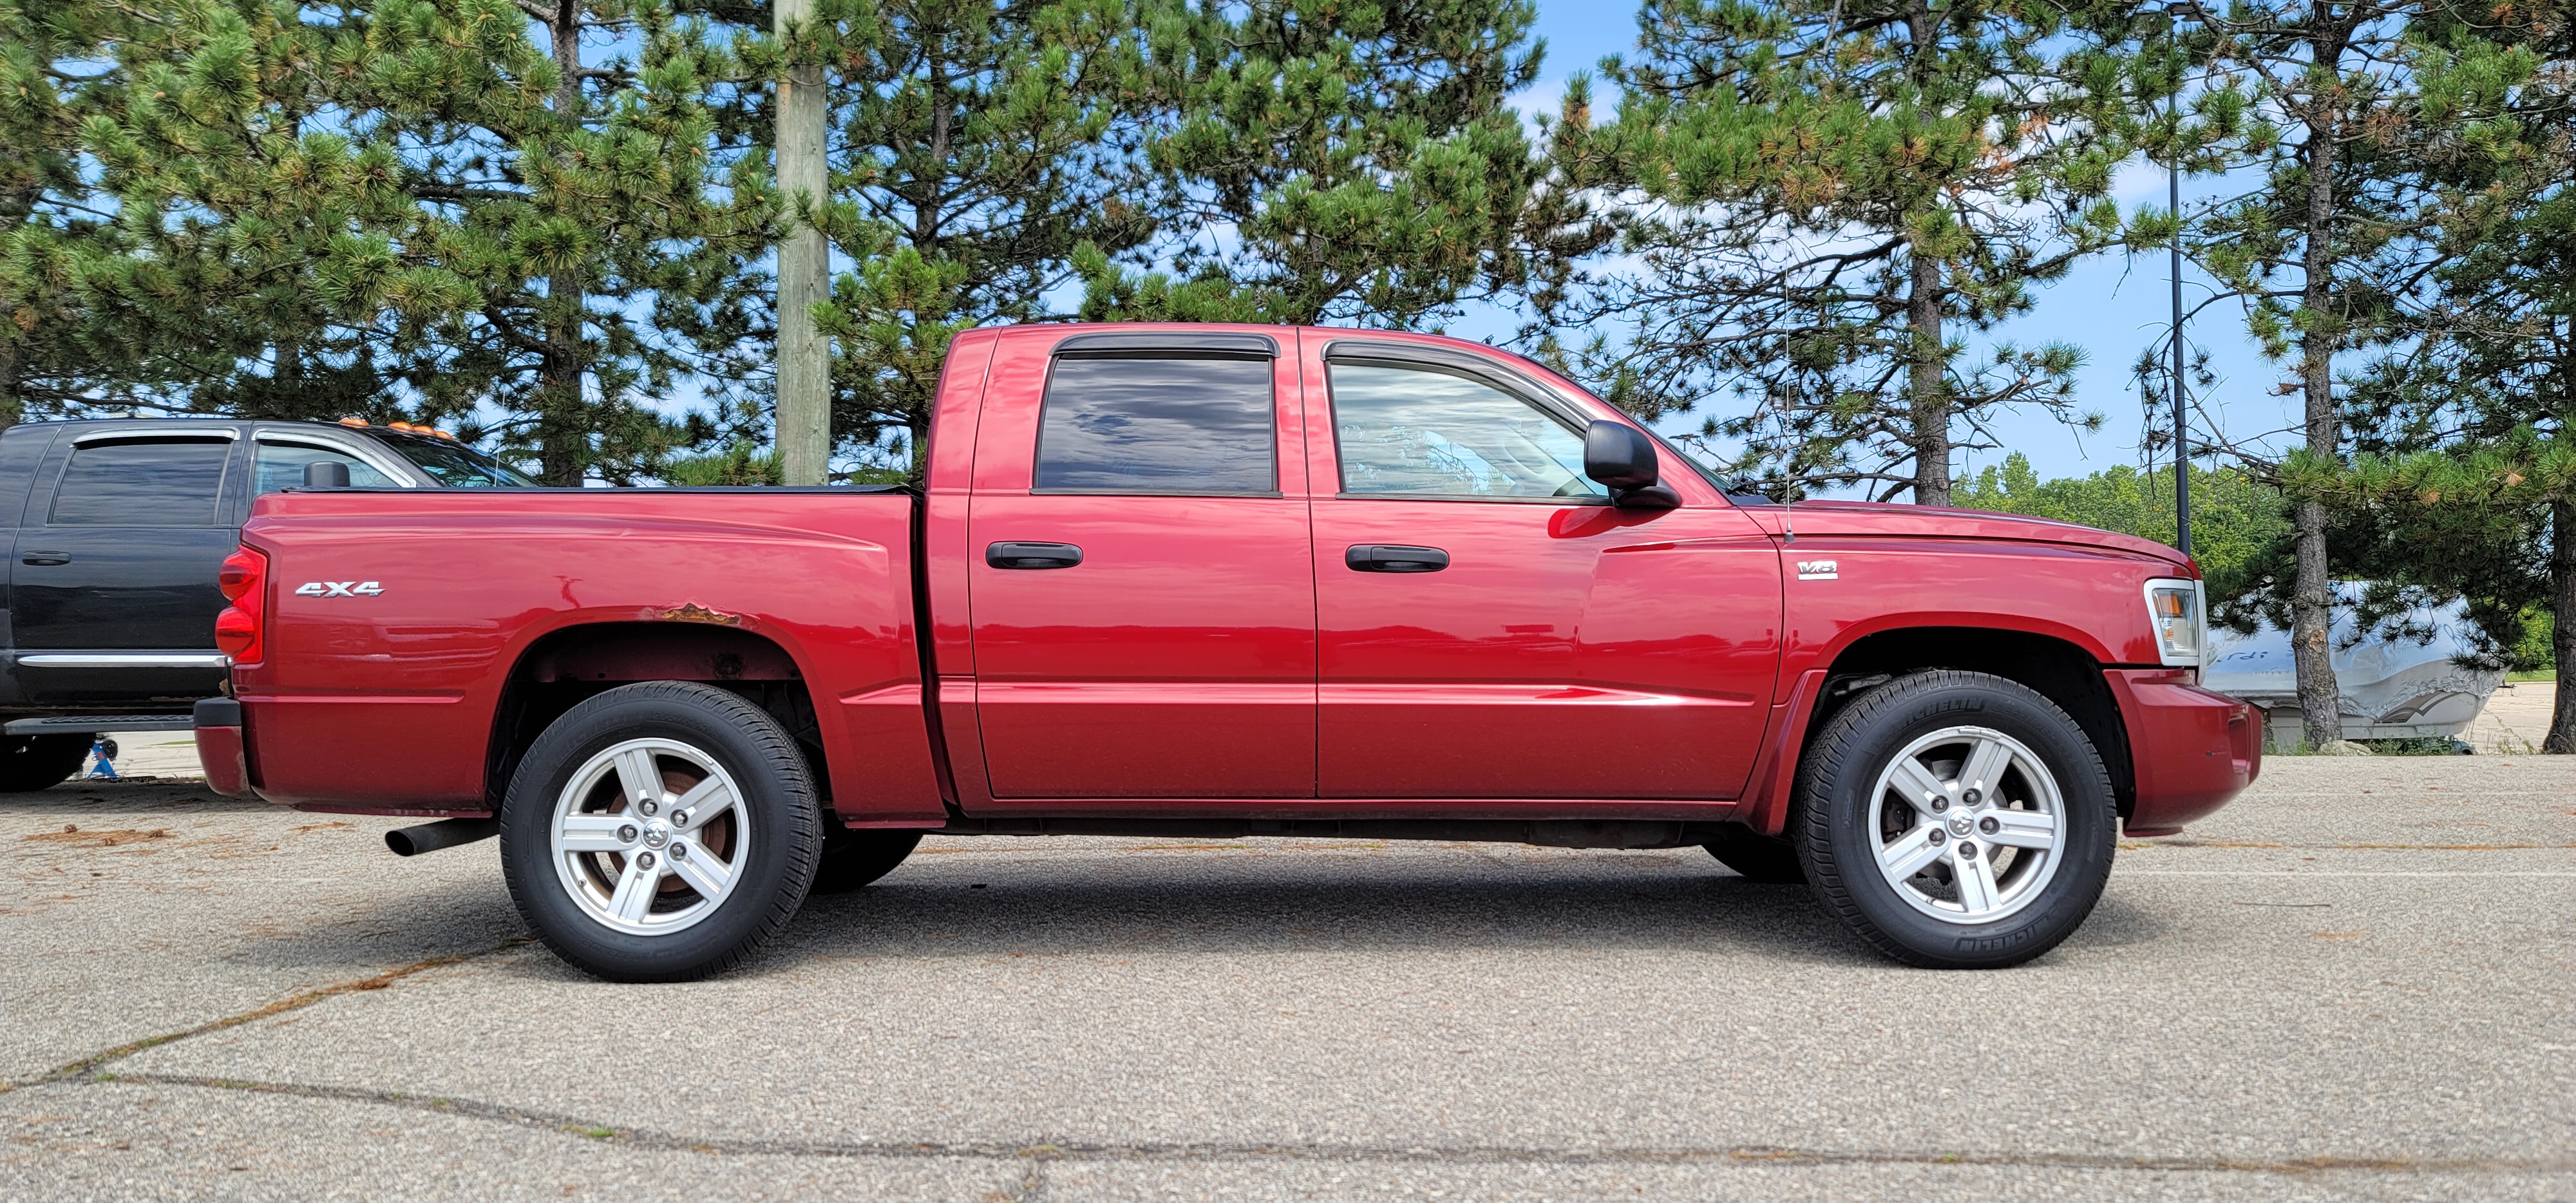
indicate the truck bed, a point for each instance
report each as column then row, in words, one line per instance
column 469, row 629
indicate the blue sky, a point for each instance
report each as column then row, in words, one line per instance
column 2111, row 307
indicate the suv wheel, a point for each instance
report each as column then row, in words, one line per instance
column 33, row 762
column 660, row 832
column 1955, row 820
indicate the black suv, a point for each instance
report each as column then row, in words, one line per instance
column 120, row 525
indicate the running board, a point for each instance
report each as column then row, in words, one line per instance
column 92, row 724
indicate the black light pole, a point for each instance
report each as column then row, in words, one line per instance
column 2182, row 431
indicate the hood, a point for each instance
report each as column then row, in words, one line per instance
column 1888, row 520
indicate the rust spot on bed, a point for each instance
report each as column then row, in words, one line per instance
column 693, row 612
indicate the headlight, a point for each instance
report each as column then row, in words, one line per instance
column 2177, row 611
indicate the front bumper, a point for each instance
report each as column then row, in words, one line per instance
column 220, row 747
column 2192, row 749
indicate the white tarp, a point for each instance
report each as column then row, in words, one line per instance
column 2389, row 688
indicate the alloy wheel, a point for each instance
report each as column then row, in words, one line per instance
column 648, row 837
column 1970, row 824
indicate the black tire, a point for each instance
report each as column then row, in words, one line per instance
column 1829, row 821
column 852, row 859
column 777, row 800
column 32, row 762
column 1767, row 859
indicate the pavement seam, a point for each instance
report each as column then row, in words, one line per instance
column 87, row 1066
column 1037, row 1153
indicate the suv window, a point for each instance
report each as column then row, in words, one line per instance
column 1423, row 432
column 1158, row 425
column 281, row 466
column 454, row 464
column 170, row 482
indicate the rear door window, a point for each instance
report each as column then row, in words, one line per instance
column 143, row 482
column 1160, row 424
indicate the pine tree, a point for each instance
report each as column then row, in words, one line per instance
column 974, row 147
column 2465, row 481
column 85, row 320
column 420, row 194
column 2308, row 99
column 1333, row 162
column 1822, row 198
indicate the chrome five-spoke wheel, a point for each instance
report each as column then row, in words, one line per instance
column 646, row 837
column 1970, row 824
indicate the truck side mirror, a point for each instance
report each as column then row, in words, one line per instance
column 1619, row 456
column 1623, row 458
column 326, row 474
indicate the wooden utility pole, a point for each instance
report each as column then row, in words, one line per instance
column 804, row 264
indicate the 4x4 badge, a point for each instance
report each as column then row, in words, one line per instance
column 338, row 589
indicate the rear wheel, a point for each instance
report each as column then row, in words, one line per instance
column 1955, row 820
column 33, row 762
column 660, row 832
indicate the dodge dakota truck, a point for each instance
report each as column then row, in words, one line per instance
column 1224, row 581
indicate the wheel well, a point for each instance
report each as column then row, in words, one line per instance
column 2056, row 669
column 561, row 670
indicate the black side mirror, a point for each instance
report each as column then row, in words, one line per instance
column 326, row 474
column 1623, row 458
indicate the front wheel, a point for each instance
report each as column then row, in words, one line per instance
column 1955, row 820
column 660, row 832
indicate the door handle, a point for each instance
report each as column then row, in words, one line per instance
column 1388, row 557
column 46, row 559
column 1032, row 555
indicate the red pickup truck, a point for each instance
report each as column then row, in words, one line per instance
column 1225, row 581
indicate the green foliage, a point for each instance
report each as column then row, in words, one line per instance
column 738, row 464
column 1284, row 161
column 1828, row 194
column 974, row 147
column 88, row 316
column 1329, row 162
column 2466, row 484
column 414, row 208
column 2239, row 526
column 2538, row 647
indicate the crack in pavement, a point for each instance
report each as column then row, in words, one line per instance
column 1038, row 1152
column 87, row 1066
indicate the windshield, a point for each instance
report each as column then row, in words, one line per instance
column 456, row 465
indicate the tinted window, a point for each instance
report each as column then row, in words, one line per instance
column 142, row 484
column 1424, row 432
column 456, row 465
column 1158, row 426
column 281, row 466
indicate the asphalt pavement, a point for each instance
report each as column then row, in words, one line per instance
column 2357, row 982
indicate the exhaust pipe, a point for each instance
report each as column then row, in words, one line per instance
column 445, row 833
